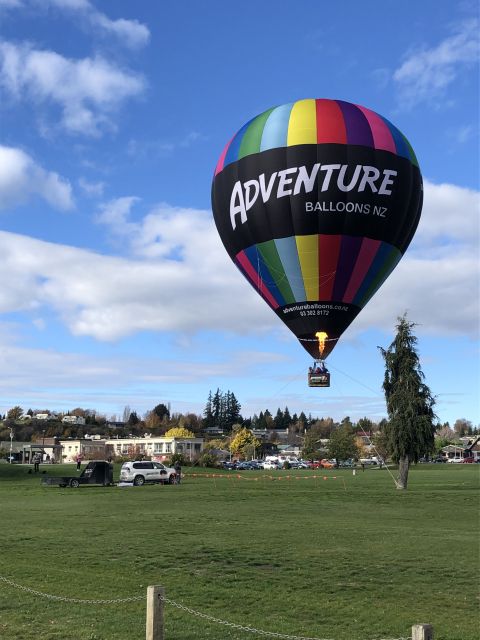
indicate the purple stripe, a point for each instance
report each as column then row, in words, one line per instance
column 347, row 259
column 358, row 129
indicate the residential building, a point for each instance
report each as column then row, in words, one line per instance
column 156, row 448
column 73, row 420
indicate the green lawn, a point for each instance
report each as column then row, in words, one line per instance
column 348, row 558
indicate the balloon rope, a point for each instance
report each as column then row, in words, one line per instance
column 363, row 430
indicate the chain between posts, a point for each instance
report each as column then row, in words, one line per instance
column 233, row 625
column 67, row 599
column 193, row 612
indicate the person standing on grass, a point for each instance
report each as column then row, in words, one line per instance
column 79, row 462
column 36, row 462
column 178, row 471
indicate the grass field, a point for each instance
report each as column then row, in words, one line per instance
column 348, row 558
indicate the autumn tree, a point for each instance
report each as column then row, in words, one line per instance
column 15, row 413
column 244, row 441
column 410, row 430
column 179, row 432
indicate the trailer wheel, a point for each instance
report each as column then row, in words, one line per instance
column 139, row 481
column 74, row 483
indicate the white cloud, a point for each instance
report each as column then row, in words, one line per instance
column 449, row 218
column 130, row 33
column 10, row 4
column 437, row 280
column 21, row 178
column 91, row 189
column 180, row 279
column 426, row 73
column 87, row 91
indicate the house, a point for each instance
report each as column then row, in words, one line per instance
column 73, row 420
column 72, row 448
column 459, row 452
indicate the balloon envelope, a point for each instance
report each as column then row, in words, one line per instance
column 316, row 201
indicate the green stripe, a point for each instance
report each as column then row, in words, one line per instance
column 253, row 135
column 269, row 253
column 413, row 157
column 389, row 265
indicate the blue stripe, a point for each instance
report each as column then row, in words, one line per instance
column 234, row 148
column 275, row 131
column 398, row 138
column 288, row 253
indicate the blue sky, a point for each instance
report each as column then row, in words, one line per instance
column 116, row 289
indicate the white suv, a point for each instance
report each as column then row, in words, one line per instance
column 141, row 472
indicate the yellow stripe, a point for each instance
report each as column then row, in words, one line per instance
column 307, row 247
column 302, row 126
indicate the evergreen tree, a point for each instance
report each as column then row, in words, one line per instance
column 162, row 411
column 410, row 430
column 261, row 423
column 217, row 408
column 287, row 418
column 278, row 420
column 232, row 410
column 208, row 419
column 133, row 419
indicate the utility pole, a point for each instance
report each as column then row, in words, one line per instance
column 11, row 443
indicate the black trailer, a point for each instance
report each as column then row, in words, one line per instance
column 96, row 472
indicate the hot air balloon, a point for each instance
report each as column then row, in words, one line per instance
column 315, row 202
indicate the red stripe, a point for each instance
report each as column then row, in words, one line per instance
column 252, row 275
column 330, row 123
column 328, row 250
column 364, row 260
column 221, row 160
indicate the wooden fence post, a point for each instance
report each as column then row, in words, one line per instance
column 422, row 632
column 155, row 596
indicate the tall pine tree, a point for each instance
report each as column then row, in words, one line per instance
column 410, row 430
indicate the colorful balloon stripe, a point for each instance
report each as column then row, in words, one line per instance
column 356, row 269
column 318, row 121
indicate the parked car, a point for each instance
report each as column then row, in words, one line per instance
column 245, row 466
column 455, row 460
column 270, row 464
column 303, row 464
column 439, row 460
column 323, row 464
column 469, row 460
column 144, row 471
column 368, row 461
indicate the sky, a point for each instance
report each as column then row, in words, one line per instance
column 116, row 289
